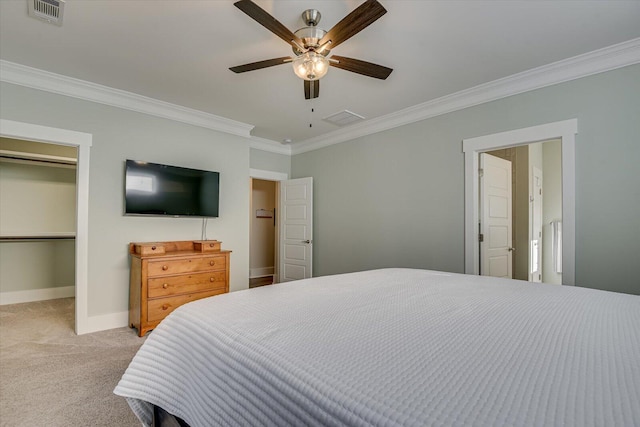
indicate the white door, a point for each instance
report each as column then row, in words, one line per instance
column 495, row 217
column 535, row 230
column 296, row 229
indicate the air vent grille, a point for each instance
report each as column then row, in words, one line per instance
column 343, row 118
column 47, row 10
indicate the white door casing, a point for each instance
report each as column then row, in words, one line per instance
column 496, row 251
column 296, row 229
column 535, row 225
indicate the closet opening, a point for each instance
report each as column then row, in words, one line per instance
column 263, row 232
column 38, row 186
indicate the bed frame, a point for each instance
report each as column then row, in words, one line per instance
column 162, row 418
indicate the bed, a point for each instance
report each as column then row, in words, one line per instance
column 394, row 347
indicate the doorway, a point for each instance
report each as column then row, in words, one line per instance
column 263, row 226
column 82, row 141
column 263, row 232
column 37, row 226
column 564, row 131
column 536, row 212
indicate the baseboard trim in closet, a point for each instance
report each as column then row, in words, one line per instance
column 18, row 297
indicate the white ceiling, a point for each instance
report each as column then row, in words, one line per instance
column 179, row 51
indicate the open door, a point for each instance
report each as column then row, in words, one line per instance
column 296, row 229
column 496, row 251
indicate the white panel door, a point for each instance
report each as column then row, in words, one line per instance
column 496, row 252
column 535, row 215
column 296, row 229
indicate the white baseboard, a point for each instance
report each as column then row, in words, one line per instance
column 18, row 297
column 106, row 321
column 260, row 272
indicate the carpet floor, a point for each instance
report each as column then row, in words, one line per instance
column 49, row 376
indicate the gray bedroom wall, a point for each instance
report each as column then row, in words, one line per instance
column 396, row 198
column 121, row 134
column 274, row 162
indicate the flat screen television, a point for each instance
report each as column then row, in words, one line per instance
column 156, row 189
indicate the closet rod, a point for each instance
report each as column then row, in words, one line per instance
column 34, row 238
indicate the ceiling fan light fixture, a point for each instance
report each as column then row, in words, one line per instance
column 310, row 66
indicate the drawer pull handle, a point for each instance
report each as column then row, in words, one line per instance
column 211, row 262
column 211, row 279
column 165, row 286
column 153, row 248
column 165, row 267
column 165, row 306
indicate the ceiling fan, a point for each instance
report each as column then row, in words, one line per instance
column 311, row 45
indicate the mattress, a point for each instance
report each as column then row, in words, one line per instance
column 395, row 347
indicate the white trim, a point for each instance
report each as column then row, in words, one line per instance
column 598, row 61
column 55, row 83
column 107, row 321
column 566, row 130
column 601, row 60
column 19, row 297
column 261, row 272
column 83, row 141
column 269, row 145
column 268, row 175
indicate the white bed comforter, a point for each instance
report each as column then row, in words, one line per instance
column 395, row 347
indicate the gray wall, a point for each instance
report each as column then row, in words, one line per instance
column 274, row 162
column 396, row 198
column 121, row 134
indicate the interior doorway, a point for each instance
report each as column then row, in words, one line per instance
column 82, row 141
column 264, row 198
column 263, row 235
column 37, row 223
column 564, row 131
column 535, row 213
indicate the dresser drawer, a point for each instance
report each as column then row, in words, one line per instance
column 187, row 283
column 188, row 265
column 158, row 309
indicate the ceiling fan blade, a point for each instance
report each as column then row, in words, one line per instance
column 361, row 67
column 260, row 64
column 359, row 19
column 311, row 89
column 266, row 20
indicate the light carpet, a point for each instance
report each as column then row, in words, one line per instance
column 51, row 376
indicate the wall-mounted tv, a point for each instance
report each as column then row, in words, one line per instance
column 156, row 189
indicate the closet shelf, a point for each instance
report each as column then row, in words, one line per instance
column 8, row 155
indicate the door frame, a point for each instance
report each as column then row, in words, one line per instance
column 83, row 141
column 472, row 147
column 277, row 177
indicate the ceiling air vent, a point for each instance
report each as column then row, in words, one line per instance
column 343, row 118
column 47, row 10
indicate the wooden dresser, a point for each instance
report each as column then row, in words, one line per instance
column 165, row 275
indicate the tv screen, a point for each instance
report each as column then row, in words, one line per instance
column 155, row 189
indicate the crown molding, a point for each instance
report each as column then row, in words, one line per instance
column 55, row 83
column 598, row 61
column 269, row 145
column 606, row 59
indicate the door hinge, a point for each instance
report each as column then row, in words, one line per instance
column 480, row 172
column 481, row 237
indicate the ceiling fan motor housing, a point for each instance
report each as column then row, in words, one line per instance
column 310, row 37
